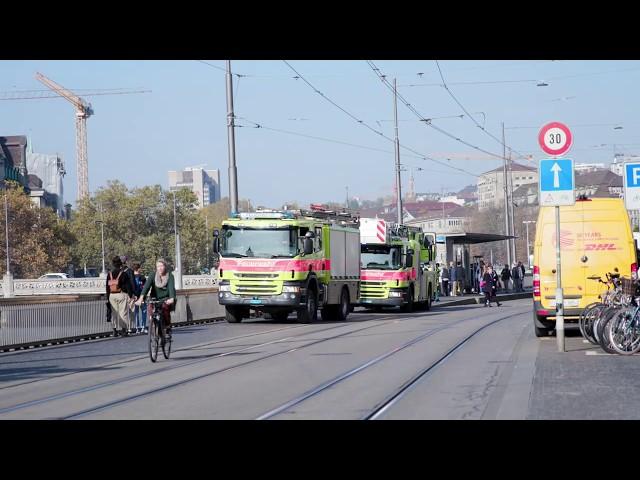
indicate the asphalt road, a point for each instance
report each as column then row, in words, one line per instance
column 454, row 362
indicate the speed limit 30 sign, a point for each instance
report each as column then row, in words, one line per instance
column 555, row 139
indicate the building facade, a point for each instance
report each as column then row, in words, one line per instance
column 47, row 186
column 491, row 184
column 204, row 183
column 13, row 160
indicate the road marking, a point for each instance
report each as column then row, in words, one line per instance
column 591, row 352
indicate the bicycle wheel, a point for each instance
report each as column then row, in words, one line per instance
column 587, row 318
column 595, row 326
column 624, row 332
column 154, row 340
column 603, row 339
column 166, row 347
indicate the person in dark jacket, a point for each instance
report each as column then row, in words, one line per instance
column 445, row 280
column 489, row 280
column 494, row 286
column 505, row 276
column 162, row 287
column 119, row 294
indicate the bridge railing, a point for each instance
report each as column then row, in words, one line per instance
column 89, row 285
column 27, row 321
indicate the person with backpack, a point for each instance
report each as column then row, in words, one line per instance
column 162, row 287
column 140, row 311
column 119, row 293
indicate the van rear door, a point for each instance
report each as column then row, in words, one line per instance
column 573, row 277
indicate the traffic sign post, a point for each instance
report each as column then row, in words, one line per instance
column 631, row 182
column 556, row 181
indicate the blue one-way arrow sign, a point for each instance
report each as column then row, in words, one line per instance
column 632, row 186
column 556, row 180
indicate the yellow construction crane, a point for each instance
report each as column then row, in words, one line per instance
column 83, row 111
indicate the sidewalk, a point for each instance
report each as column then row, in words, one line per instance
column 471, row 298
column 583, row 382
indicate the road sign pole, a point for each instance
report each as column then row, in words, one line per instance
column 559, row 292
column 556, row 188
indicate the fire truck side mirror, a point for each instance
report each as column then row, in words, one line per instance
column 216, row 245
column 408, row 259
column 308, row 245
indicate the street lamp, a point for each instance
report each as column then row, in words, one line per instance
column 101, row 222
column 6, row 229
column 526, row 223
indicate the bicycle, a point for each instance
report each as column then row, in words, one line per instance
column 157, row 334
column 623, row 332
column 592, row 313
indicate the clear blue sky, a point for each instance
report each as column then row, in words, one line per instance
column 138, row 138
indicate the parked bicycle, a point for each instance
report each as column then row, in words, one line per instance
column 614, row 322
column 593, row 312
column 157, row 334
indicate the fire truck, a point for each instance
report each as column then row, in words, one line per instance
column 280, row 262
column 397, row 265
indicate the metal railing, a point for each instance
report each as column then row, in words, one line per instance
column 31, row 322
column 90, row 285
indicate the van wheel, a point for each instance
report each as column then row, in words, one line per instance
column 541, row 332
column 233, row 314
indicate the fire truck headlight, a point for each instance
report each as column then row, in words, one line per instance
column 396, row 294
column 224, row 288
column 290, row 289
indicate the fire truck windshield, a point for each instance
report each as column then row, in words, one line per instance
column 259, row 242
column 380, row 257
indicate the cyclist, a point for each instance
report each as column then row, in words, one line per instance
column 162, row 287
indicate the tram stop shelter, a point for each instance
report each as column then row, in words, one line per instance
column 456, row 249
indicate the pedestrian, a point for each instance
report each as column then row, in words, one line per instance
column 453, row 272
column 140, row 311
column 437, row 279
column 129, row 275
column 522, row 278
column 162, row 287
column 460, row 278
column 515, row 275
column 495, row 281
column 488, row 283
column 119, row 293
column 444, row 282
column 505, row 276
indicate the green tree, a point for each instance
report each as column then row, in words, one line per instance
column 38, row 240
column 139, row 223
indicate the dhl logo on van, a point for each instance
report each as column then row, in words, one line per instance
column 268, row 265
column 600, row 246
column 566, row 238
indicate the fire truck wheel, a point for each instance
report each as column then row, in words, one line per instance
column 343, row 308
column 309, row 313
column 280, row 316
column 233, row 314
column 408, row 307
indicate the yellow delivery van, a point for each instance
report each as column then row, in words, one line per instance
column 595, row 238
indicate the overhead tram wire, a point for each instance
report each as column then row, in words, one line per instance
column 262, row 126
column 424, row 120
column 473, row 119
column 366, row 125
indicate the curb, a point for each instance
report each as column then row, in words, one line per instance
column 477, row 299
